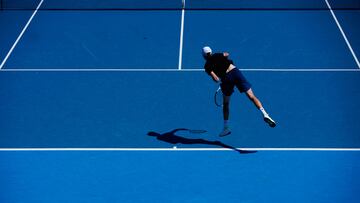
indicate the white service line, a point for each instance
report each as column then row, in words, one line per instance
column 343, row 34
column 21, row 34
column 174, row 70
column 181, row 34
column 178, row 149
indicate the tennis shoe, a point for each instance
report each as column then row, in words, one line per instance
column 269, row 121
column 225, row 131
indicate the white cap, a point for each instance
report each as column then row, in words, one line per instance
column 206, row 50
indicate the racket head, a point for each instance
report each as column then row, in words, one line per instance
column 218, row 97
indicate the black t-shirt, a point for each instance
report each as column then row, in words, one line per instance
column 218, row 63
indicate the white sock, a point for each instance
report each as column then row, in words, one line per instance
column 263, row 112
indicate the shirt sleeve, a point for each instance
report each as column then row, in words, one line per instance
column 208, row 68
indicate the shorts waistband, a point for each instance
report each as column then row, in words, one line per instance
column 231, row 68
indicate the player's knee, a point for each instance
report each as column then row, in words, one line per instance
column 251, row 96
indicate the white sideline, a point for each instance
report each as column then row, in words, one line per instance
column 21, row 34
column 181, row 34
column 343, row 33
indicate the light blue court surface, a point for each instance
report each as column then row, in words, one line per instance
column 302, row 65
column 177, row 176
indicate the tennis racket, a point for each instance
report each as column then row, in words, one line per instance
column 218, row 97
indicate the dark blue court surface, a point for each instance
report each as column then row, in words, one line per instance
column 117, row 109
column 98, row 94
column 352, row 30
column 268, row 39
column 107, row 39
column 11, row 23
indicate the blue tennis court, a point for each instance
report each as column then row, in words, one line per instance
column 84, row 85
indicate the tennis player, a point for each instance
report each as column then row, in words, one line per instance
column 222, row 69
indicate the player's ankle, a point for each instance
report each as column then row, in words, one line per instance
column 265, row 114
column 226, row 123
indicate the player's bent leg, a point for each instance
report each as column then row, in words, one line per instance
column 250, row 94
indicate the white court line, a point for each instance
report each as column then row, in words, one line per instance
column 176, row 70
column 343, row 34
column 181, row 34
column 178, row 149
column 21, row 34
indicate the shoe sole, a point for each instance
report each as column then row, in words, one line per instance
column 271, row 123
column 225, row 134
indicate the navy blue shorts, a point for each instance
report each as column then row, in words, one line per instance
column 232, row 79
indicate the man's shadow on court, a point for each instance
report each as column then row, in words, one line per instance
column 171, row 138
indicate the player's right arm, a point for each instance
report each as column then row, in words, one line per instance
column 209, row 70
column 214, row 76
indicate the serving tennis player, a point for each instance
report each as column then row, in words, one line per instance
column 222, row 69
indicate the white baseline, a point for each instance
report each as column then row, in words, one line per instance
column 178, row 149
column 176, row 70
